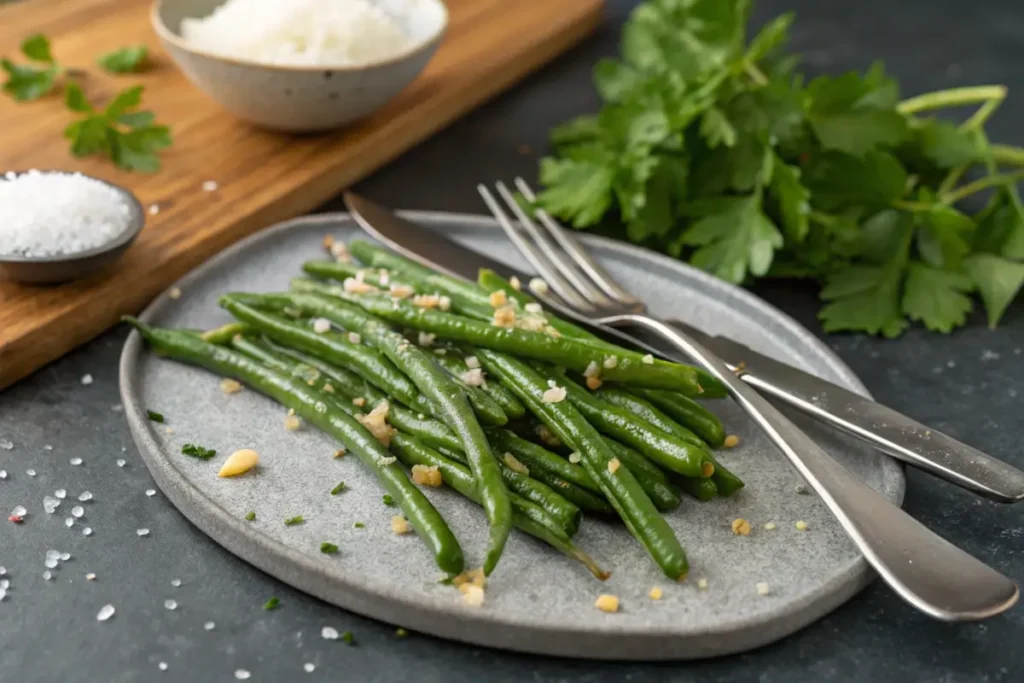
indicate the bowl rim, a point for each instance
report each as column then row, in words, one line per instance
column 167, row 35
column 136, row 222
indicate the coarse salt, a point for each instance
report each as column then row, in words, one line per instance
column 52, row 214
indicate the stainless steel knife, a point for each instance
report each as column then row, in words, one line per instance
column 886, row 429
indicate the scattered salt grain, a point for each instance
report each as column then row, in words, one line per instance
column 5, row 583
column 69, row 522
column 48, row 576
column 3, row 474
column 51, row 563
column 50, row 504
column 154, row 209
column 120, row 462
column 19, row 511
column 77, row 511
column 87, row 379
column 309, row 667
column 150, row 492
column 329, row 633
column 3, row 594
column 87, row 531
column 53, row 555
column 162, row 666
column 105, row 613
column 209, row 626
column 988, row 354
column 52, row 213
column 85, row 496
column 60, row 493
column 6, row 444
column 171, row 604
column 75, row 461
column 142, row 532
column 90, row 577
column 763, row 588
column 321, row 325
column 209, row 185
column 3, row 571
column 30, row 473
column 47, row 447
column 242, row 674
column 175, row 582
column 64, row 557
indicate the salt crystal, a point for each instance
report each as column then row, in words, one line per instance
column 154, row 209
column 309, row 667
column 3, row 474
column 3, row 593
column 64, row 557
column 162, row 666
column 90, row 577
column 50, row 504
column 60, row 493
column 75, row 461
column 86, row 496
column 87, row 379
column 175, row 582
column 329, row 633
column 53, row 554
column 87, row 531
column 69, row 522
column 120, row 463
column 3, row 571
column 77, row 511
column 30, row 473
column 51, row 563
column 151, row 492
column 142, row 532
column 209, row 185
column 48, row 576
column 105, row 613
column 242, row 674
column 19, row 511
column 47, row 447
column 5, row 583
column 209, row 626
column 171, row 604
column 47, row 213
column 6, row 444
column 988, row 354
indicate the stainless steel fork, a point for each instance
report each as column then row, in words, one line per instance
column 929, row 572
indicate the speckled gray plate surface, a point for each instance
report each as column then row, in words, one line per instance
column 537, row 601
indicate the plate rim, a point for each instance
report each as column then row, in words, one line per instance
column 478, row 627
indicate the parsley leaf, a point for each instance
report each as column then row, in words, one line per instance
column 998, row 281
column 37, row 48
column 272, row 603
column 130, row 138
column 734, row 239
column 154, row 416
column 124, row 60
column 937, row 297
column 945, row 145
column 716, row 129
column 793, row 200
column 292, row 521
column 25, row 83
column 328, row 548
column 578, row 189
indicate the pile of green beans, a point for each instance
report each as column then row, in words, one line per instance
column 463, row 391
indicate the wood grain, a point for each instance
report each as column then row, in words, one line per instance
column 262, row 177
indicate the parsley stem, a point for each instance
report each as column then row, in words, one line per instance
column 954, row 97
column 1008, row 155
column 951, row 179
column 755, row 74
column 913, row 207
column 982, row 184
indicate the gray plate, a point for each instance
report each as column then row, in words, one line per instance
column 537, row 601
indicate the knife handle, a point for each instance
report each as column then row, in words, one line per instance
column 891, row 432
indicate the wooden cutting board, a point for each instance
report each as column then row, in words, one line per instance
column 262, row 177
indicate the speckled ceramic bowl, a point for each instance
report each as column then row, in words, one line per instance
column 301, row 99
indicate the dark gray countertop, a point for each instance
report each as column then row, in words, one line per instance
column 966, row 384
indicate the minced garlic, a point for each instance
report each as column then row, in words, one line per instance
column 607, row 603
column 426, row 476
column 400, row 525
column 230, row 386
column 554, row 395
column 376, row 422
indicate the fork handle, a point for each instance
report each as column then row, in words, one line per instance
column 927, row 571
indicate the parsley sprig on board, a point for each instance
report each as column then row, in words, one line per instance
column 712, row 148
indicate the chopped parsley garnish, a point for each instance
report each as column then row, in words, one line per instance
column 195, row 451
column 272, row 603
column 348, row 638
column 126, row 60
column 388, row 500
column 338, row 489
column 401, row 633
column 328, row 548
column 359, row 525
column 250, row 516
column 298, row 519
column 154, row 416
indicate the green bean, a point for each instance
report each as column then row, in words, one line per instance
column 618, row 484
column 701, row 489
column 689, row 413
column 511, row 405
column 658, row 487
column 344, row 380
column 564, row 512
column 648, row 412
column 308, row 404
column 447, row 397
column 665, row 449
column 629, row 367
column 526, row 516
column 224, row 333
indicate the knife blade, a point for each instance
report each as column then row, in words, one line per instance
column 888, row 430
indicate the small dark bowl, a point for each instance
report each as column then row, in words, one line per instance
column 49, row 270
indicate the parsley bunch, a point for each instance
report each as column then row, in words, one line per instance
column 715, row 149
column 129, row 137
